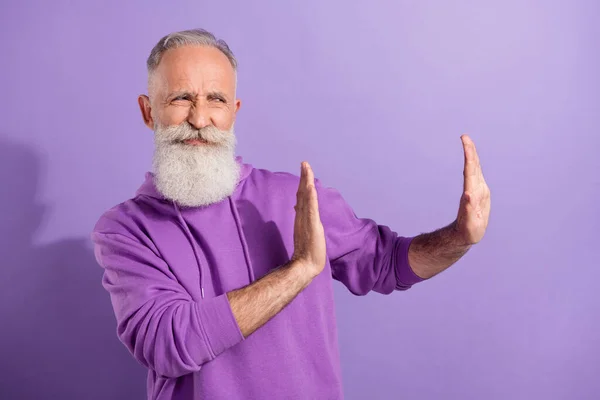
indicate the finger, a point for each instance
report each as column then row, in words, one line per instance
column 475, row 155
column 476, row 161
column 303, row 175
column 301, row 185
column 470, row 169
column 313, row 203
column 476, row 158
column 306, row 197
column 468, row 149
column 479, row 169
column 310, row 176
column 470, row 173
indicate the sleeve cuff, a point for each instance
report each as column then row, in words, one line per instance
column 405, row 276
column 218, row 324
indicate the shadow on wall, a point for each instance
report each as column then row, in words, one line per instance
column 58, row 329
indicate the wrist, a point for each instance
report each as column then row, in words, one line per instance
column 457, row 235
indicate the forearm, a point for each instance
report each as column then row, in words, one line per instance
column 431, row 253
column 257, row 303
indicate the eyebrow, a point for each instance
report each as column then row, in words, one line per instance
column 180, row 93
column 217, row 95
column 185, row 93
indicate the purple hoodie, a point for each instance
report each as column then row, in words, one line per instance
column 168, row 269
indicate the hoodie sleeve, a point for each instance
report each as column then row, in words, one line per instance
column 364, row 256
column 157, row 320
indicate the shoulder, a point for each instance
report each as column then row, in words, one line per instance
column 268, row 178
column 264, row 183
column 280, row 179
column 277, row 185
column 129, row 217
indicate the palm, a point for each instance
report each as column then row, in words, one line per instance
column 474, row 211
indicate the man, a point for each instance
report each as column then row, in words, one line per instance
column 220, row 274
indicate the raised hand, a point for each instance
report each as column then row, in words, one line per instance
column 309, row 235
column 474, row 209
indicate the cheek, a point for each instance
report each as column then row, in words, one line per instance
column 222, row 118
column 174, row 115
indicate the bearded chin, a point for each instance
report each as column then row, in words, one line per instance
column 194, row 176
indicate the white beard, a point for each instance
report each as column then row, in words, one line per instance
column 195, row 176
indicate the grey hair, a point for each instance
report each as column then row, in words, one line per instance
column 191, row 37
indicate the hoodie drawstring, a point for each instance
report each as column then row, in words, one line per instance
column 188, row 233
column 238, row 224
column 194, row 245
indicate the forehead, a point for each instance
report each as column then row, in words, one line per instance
column 195, row 68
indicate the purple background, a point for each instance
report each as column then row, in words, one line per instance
column 375, row 95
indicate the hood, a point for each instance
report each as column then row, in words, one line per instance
column 149, row 189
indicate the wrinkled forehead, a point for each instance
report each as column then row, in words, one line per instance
column 195, row 68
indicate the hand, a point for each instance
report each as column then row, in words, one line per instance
column 309, row 235
column 474, row 210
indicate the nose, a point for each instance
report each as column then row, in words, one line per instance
column 199, row 117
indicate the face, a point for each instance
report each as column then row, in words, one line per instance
column 192, row 107
column 194, row 84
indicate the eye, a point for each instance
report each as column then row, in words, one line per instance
column 217, row 98
column 181, row 98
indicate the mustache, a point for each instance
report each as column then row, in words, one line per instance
column 185, row 131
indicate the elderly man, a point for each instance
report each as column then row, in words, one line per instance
column 220, row 274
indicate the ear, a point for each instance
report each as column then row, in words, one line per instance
column 238, row 104
column 146, row 109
